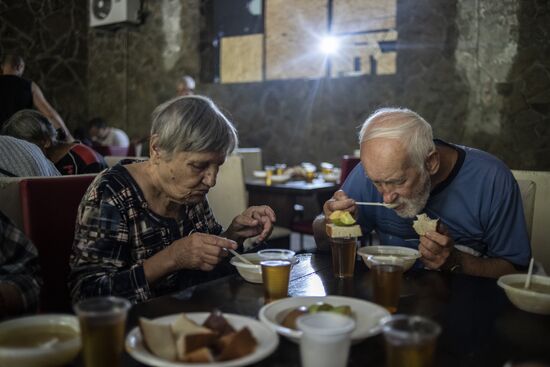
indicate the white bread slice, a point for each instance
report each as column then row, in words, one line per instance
column 334, row 231
column 237, row 345
column 424, row 224
column 201, row 355
column 159, row 338
column 190, row 336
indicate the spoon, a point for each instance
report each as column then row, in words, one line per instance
column 240, row 257
column 389, row 206
column 529, row 274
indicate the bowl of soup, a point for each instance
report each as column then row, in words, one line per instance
column 253, row 272
column 534, row 299
column 405, row 254
column 39, row 341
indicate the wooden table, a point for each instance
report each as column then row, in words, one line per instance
column 480, row 326
column 282, row 196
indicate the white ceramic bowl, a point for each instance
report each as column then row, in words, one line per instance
column 259, row 174
column 526, row 299
column 50, row 353
column 251, row 273
column 407, row 255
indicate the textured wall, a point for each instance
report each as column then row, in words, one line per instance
column 51, row 35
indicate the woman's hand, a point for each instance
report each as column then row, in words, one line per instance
column 199, row 251
column 254, row 221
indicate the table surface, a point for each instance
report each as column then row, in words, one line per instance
column 480, row 327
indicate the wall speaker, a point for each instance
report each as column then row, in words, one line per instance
column 110, row 12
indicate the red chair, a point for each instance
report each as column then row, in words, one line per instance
column 109, row 150
column 49, row 207
column 348, row 164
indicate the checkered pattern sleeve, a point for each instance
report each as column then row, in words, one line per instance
column 19, row 263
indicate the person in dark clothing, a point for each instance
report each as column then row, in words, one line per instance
column 17, row 93
column 70, row 158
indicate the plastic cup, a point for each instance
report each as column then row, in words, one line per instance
column 410, row 340
column 325, row 340
column 387, row 273
column 343, row 256
column 102, row 324
column 276, row 254
column 275, row 276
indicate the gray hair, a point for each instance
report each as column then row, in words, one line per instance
column 404, row 125
column 30, row 125
column 193, row 124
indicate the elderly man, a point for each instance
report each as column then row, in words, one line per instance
column 473, row 194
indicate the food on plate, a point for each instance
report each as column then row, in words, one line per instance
column 184, row 340
column 289, row 321
column 342, row 225
column 424, row 224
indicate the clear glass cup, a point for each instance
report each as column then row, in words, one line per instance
column 387, row 273
column 410, row 340
column 102, row 325
column 275, row 276
column 343, row 256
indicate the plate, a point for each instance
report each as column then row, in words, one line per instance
column 280, row 178
column 259, row 174
column 367, row 315
column 267, row 339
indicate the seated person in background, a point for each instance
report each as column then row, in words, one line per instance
column 473, row 194
column 145, row 229
column 71, row 158
column 81, row 134
column 20, row 280
column 17, row 94
column 104, row 135
column 19, row 158
column 185, row 86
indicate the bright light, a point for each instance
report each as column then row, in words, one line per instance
column 329, row 44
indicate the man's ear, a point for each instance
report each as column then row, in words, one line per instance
column 432, row 162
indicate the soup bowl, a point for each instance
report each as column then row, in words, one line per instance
column 252, row 272
column 536, row 299
column 405, row 254
column 39, row 341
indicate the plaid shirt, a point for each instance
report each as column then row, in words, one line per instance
column 116, row 232
column 19, row 263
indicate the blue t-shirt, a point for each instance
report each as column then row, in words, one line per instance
column 480, row 203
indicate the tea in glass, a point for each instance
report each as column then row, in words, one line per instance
column 343, row 256
column 275, row 276
column 386, row 281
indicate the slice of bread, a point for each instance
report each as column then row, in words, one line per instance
column 201, row 355
column 334, row 231
column 190, row 336
column 159, row 338
column 424, row 224
column 237, row 345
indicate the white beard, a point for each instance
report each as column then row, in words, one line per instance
column 413, row 206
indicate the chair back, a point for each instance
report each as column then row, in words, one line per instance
column 49, row 207
column 348, row 164
column 110, row 150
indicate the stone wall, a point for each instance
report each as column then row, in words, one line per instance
column 51, row 35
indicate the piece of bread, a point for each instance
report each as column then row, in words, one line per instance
column 201, row 355
column 158, row 338
column 237, row 345
column 191, row 336
column 334, row 231
column 424, row 224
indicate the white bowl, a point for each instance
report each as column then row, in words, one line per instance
column 280, row 178
column 526, row 299
column 49, row 352
column 251, row 273
column 407, row 255
column 259, row 174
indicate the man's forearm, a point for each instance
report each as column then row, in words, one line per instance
column 320, row 234
column 478, row 266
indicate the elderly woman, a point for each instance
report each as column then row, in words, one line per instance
column 145, row 229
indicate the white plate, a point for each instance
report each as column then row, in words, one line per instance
column 367, row 315
column 280, row 178
column 267, row 342
column 259, row 174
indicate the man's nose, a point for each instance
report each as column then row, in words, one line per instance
column 389, row 195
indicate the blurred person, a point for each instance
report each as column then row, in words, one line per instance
column 104, row 135
column 17, row 93
column 20, row 279
column 19, row 158
column 70, row 158
column 146, row 229
column 473, row 194
column 185, row 86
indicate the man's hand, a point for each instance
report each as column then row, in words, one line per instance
column 199, row 251
column 254, row 221
column 436, row 248
column 339, row 201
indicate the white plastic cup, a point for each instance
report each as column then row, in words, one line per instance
column 326, row 338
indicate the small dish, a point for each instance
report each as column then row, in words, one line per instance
column 407, row 255
column 259, row 174
column 280, row 178
column 527, row 299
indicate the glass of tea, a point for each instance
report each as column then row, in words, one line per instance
column 387, row 273
column 275, row 276
column 410, row 340
column 343, row 256
column 102, row 323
